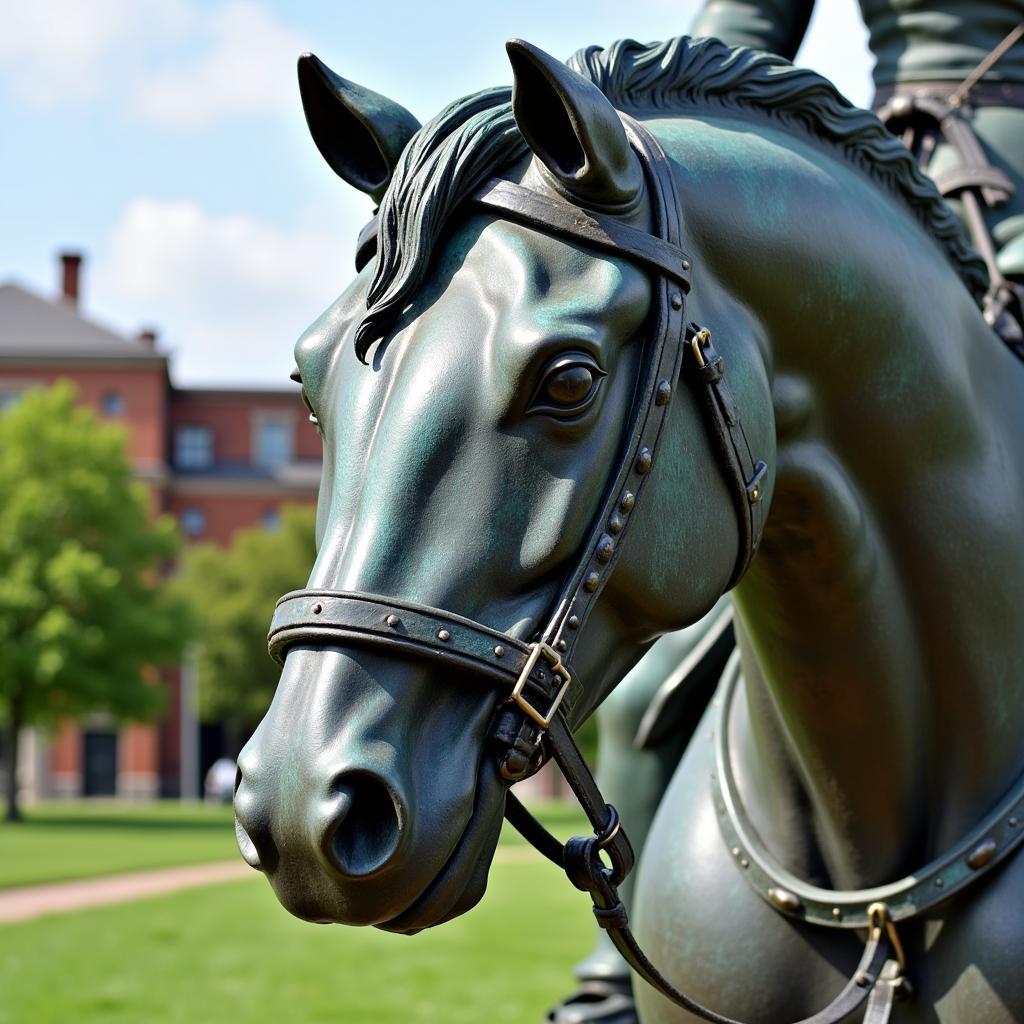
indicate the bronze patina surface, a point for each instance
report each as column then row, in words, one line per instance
column 476, row 386
column 926, row 53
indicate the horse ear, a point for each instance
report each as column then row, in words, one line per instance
column 360, row 133
column 573, row 130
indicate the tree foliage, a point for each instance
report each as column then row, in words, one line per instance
column 84, row 615
column 233, row 591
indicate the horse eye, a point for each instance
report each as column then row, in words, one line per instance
column 569, row 385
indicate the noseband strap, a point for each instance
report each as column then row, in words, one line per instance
column 539, row 677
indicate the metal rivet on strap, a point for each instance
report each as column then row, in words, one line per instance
column 627, row 501
column 939, row 883
column 317, row 609
column 663, row 394
column 644, row 460
column 1012, row 822
column 443, row 634
column 616, row 523
column 499, row 651
column 685, row 264
column 393, row 620
column 677, row 300
column 837, row 913
column 981, row 854
column 574, row 622
column 561, row 645
column 785, row 900
column 605, row 548
column 591, row 582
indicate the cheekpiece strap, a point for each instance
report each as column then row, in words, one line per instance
column 656, row 388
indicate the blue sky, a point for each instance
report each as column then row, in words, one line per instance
column 164, row 138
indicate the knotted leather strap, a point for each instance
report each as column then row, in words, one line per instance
column 580, row 858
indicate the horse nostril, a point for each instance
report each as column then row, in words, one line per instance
column 247, row 847
column 252, row 831
column 364, row 825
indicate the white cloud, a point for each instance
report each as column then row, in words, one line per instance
column 182, row 64
column 245, row 67
column 230, row 294
column 62, row 52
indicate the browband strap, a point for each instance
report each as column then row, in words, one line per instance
column 561, row 219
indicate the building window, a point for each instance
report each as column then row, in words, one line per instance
column 11, row 392
column 271, row 519
column 273, row 440
column 193, row 447
column 113, row 404
column 193, row 521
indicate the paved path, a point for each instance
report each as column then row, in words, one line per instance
column 32, row 901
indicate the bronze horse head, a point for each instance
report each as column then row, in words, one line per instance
column 485, row 389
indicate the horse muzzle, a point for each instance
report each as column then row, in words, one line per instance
column 347, row 829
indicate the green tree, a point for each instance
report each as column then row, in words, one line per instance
column 232, row 591
column 84, row 616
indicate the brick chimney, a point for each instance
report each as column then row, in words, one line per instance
column 71, row 265
column 148, row 336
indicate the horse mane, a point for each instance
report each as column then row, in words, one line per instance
column 452, row 154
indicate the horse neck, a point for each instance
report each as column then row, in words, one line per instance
column 881, row 645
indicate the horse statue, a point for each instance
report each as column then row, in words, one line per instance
column 659, row 323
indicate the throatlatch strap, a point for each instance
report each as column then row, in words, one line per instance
column 744, row 474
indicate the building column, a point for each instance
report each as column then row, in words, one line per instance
column 188, row 765
column 138, row 776
column 66, row 761
column 34, row 767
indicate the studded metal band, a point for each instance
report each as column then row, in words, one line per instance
column 995, row 838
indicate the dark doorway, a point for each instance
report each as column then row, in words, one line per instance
column 99, row 754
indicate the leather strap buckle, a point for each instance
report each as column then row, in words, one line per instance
column 554, row 660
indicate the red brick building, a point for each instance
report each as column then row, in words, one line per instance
column 217, row 460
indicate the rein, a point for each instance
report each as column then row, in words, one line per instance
column 541, row 689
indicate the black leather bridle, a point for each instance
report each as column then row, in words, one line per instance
column 539, row 684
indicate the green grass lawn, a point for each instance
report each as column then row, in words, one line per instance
column 57, row 842
column 230, row 953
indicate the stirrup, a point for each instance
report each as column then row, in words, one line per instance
column 597, row 1001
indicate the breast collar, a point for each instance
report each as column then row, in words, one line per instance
column 540, row 688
